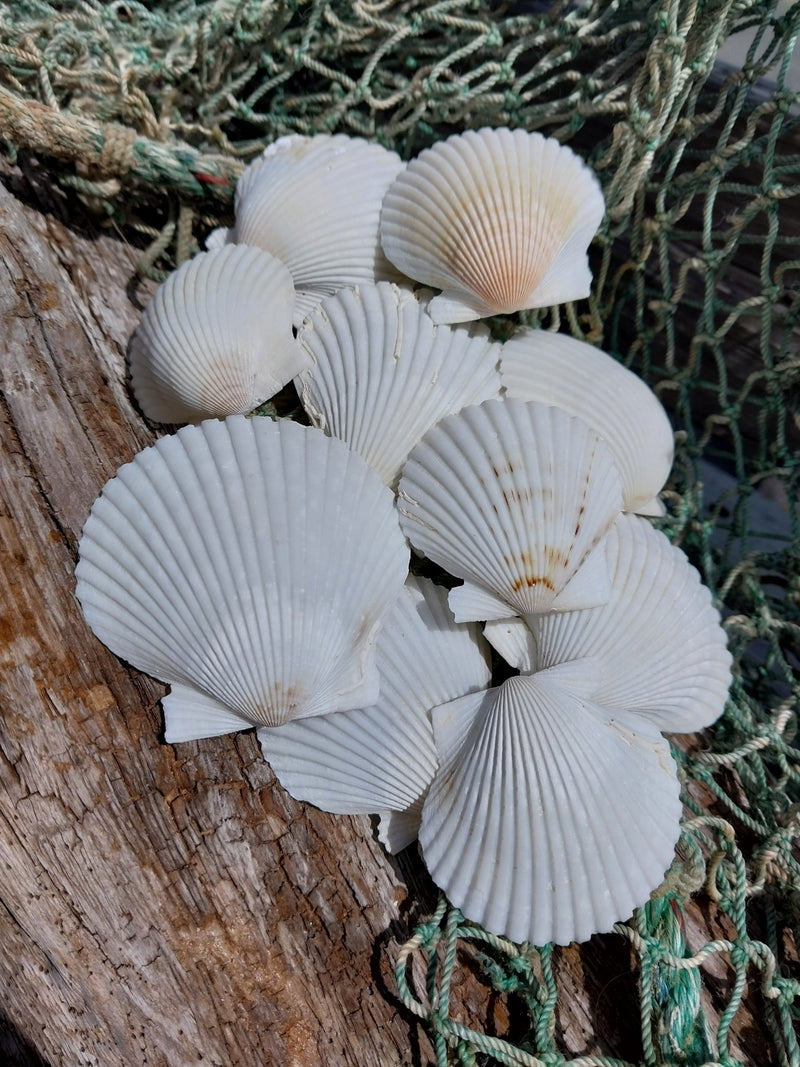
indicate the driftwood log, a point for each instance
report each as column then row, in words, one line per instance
column 170, row 905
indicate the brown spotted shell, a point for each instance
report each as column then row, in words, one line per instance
column 512, row 497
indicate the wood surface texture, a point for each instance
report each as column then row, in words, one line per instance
column 169, row 905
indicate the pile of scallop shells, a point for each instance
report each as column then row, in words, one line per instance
column 261, row 567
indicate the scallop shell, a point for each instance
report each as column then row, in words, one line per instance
column 383, row 757
column 382, row 374
column 216, row 339
column 658, row 641
column 499, row 220
column 548, row 820
column 512, row 497
column 217, row 561
column 570, row 374
column 314, row 202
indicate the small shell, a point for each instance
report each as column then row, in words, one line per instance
column 500, row 220
column 382, row 757
column 314, row 202
column 397, row 829
column 217, row 560
column 658, row 641
column 382, row 374
column 570, row 374
column 547, row 820
column 216, row 339
column 513, row 640
column 512, row 497
column 218, row 238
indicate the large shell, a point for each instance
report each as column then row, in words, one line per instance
column 314, row 202
column 383, row 374
column 547, row 820
column 570, row 374
column 499, row 220
column 658, row 641
column 383, row 757
column 216, row 339
column 512, row 497
column 218, row 561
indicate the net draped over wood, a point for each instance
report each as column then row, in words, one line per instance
column 150, row 110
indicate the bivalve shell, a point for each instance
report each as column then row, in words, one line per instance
column 556, row 369
column 315, row 202
column 512, row 497
column 383, row 373
column 499, row 220
column 548, row 820
column 216, row 339
column 383, row 757
column 661, row 650
column 217, row 561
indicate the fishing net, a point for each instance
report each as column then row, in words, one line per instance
column 149, row 111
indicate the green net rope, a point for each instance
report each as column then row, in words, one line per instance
column 149, row 111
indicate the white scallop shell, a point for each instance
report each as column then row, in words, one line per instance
column 512, row 497
column 548, row 820
column 658, row 641
column 218, row 561
column 382, row 757
column 570, row 374
column 499, row 220
column 314, row 202
column 382, row 373
column 216, row 339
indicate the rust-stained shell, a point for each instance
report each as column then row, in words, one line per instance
column 512, row 497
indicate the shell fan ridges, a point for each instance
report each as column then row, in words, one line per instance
column 217, row 560
column 547, row 821
column 382, row 757
column 216, row 338
column 658, row 641
column 557, row 369
column 315, row 202
column 512, row 497
column 499, row 220
column 383, row 373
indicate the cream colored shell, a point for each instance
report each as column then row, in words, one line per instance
column 499, row 220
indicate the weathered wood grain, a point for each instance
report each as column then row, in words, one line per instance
column 160, row 905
